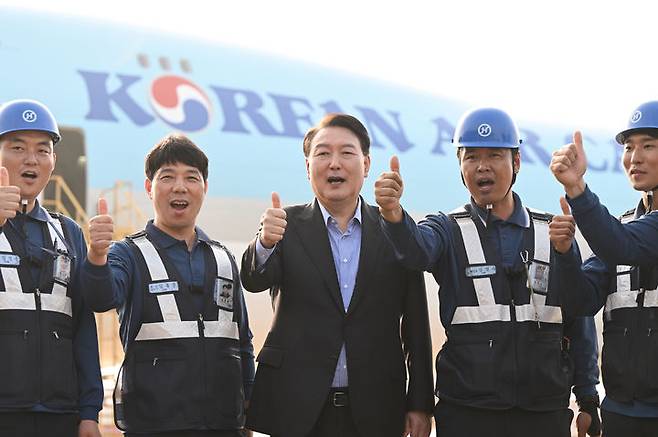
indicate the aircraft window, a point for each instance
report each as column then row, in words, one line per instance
column 164, row 63
column 185, row 65
column 143, row 60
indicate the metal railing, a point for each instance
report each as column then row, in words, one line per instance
column 127, row 216
column 63, row 192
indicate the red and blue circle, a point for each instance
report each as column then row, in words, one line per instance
column 180, row 103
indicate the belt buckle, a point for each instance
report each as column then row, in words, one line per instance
column 339, row 399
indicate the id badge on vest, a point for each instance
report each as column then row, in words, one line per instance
column 62, row 268
column 224, row 294
column 538, row 277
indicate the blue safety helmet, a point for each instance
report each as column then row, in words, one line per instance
column 643, row 117
column 19, row 115
column 486, row 127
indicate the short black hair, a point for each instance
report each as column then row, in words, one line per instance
column 172, row 149
column 346, row 121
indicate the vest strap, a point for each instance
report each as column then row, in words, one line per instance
column 13, row 298
column 475, row 255
column 623, row 296
column 172, row 326
column 487, row 309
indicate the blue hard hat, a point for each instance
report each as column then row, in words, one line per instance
column 486, row 127
column 643, row 117
column 19, row 115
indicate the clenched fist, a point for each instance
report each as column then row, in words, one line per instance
column 101, row 230
column 388, row 191
column 272, row 224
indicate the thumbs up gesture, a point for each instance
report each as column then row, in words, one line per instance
column 101, row 230
column 10, row 197
column 272, row 224
column 569, row 164
column 388, row 191
column 562, row 228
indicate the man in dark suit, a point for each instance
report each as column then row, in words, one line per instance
column 347, row 316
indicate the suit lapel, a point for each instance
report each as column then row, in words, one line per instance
column 313, row 235
column 371, row 241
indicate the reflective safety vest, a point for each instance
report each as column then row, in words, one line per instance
column 182, row 371
column 630, row 334
column 36, row 323
column 481, row 272
column 504, row 346
column 627, row 287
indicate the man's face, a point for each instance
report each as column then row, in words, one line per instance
column 488, row 173
column 640, row 160
column 29, row 159
column 336, row 166
column 177, row 191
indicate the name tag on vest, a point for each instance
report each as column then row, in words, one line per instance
column 9, row 260
column 163, row 287
column 538, row 277
column 62, row 268
column 480, row 271
column 224, row 294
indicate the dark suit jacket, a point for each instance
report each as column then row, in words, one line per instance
column 385, row 326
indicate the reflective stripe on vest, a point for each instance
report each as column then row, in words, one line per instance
column 13, row 297
column 57, row 300
column 172, row 326
column 537, row 310
column 487, row 309
column 624, row 297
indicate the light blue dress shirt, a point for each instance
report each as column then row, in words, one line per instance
column 346, row 250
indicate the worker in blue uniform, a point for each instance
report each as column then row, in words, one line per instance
column 50, row 381
column 507, row 365
column 189, row 364
column 623, row 277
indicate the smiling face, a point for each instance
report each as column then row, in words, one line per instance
column 29, row 159
column 488, row 173
column 336, row 167
column 177, row 191
column 640, row 161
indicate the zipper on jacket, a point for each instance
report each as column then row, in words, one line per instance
column 636, row 342
column 37, row 301
column 516, row 352
column 203, row 362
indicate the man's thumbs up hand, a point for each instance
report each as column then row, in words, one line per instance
column 101, row 231
column 388, row 191
column 569, row 164
column 562, row 228
column 272, row 223
column 10, row 197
